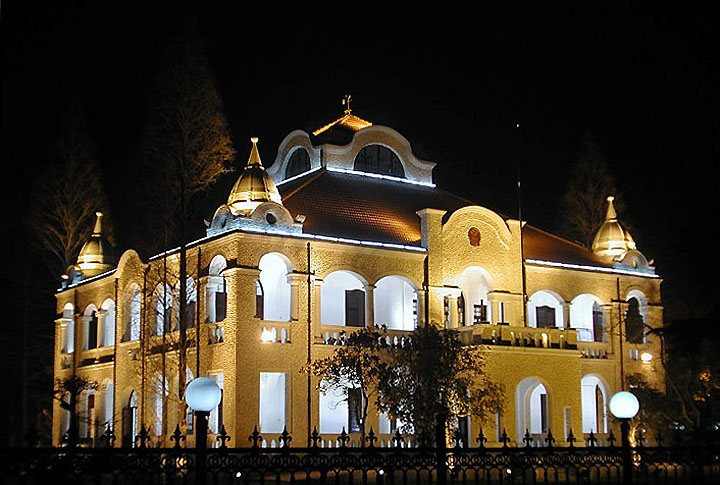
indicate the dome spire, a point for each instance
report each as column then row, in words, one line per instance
column 610, row 215
column 612, row 241
column 253, row 187
column 96, row 255
column 254, row 155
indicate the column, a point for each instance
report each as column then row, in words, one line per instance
column 453, row 310
column 421, row 308
column 369, row 305
column 294, row 282
column 316, row 307
column 565, row 314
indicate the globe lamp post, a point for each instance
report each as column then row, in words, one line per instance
column 624, row 406
column 202, row 395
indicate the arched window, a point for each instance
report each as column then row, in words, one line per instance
column 106, row 417
column 108, row 323
column 545, row 310
column 379, row 159
column 586, row 317
column 68, row 328
column 299, row 162
column 216, row 301
column 163, row 298
column 160, row 393
column 342, row 300
column 90, row 327
column 132, row 315
column 532, row 406
column 130, row 421
column 395, row 303
column 191, row 299
column 594, row 404
column 274, row 288
column 474, row 297
column 634, row 322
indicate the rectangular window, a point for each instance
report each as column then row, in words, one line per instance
column 215, row 421
column 543, row 413
column 479, row 313
column 354, row 410
column 354, row 308
column 545, row 316
column 92, row 332
column 220, row 306
column 273, row 402
column 501, row 305
column 598, row 330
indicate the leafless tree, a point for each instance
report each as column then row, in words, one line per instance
column 188, row 141
column 68, row 196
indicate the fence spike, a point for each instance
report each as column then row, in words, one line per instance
column 255, row 437
column 592, row 439
column 481, row 439
column 527, row 438
column 177, row 437
column 371, row 438
column 549, row 439
column 223, row 437
column 505, row 438
column 314, row 438
column 571, row 438
column 285, row 438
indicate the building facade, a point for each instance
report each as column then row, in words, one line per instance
column 346, row 230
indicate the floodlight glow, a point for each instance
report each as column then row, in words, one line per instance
column 203, row 394
column 624, row 405
column 646, row 357
column 267, row 335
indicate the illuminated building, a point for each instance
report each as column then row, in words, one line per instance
column 385, row 246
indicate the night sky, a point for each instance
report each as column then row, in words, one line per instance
column 452, row 79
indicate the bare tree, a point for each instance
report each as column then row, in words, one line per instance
column 68, row 196
column 188, row 142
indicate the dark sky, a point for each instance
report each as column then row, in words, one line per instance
column 452, row 78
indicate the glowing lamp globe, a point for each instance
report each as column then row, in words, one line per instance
column 624, row 405
column 203, row 394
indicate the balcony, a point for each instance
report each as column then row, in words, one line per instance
column 528, row 337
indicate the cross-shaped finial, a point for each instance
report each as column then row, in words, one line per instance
column 346, row 103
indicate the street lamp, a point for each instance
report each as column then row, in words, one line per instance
column 202, row 395
column 624, row 406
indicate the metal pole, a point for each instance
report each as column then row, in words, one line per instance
column 626, row 451
column 309, row 344
column 201, row 428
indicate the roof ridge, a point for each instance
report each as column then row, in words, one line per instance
column 555, row 236
column 305, row 183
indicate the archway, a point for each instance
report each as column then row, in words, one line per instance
column 594, row 404
column 532, row 404
column 342, row 300
column 473, row 303
column 395, row 303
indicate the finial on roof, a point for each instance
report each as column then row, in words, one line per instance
column 98, row 223
column 346, row 103
column 254, row 155
column 611, row 214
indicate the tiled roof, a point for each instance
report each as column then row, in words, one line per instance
column 358, row 207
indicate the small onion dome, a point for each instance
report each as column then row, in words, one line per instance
column 96, row 255
column 611, row 240
column 253, row 187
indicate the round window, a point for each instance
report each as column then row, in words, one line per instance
column 270, row 218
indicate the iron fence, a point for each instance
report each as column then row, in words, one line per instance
column 398, row 464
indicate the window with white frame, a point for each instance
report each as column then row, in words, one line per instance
column 273, row 402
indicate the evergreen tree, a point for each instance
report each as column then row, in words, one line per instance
column 583, row 205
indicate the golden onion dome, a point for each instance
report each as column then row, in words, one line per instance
column 611, row 240
column 96, row 255
column 253, row 187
